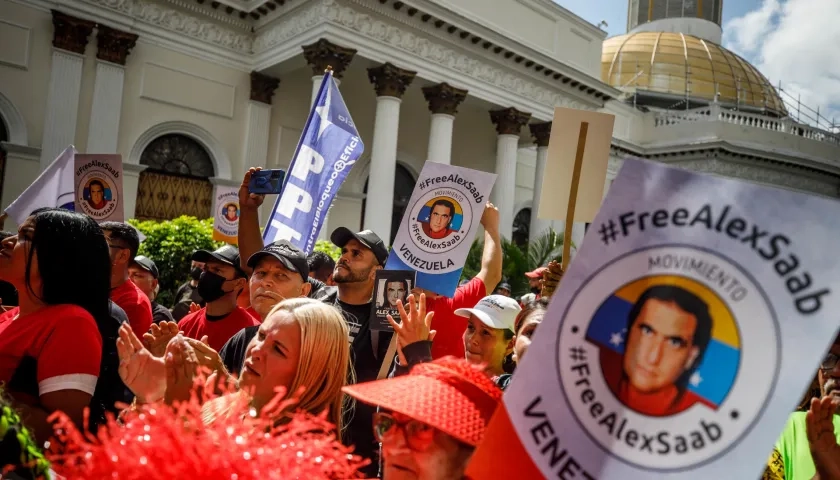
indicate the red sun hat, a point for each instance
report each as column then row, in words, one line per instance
column 448, row 394
column 537, row 273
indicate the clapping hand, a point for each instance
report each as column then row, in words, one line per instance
column 159, row 336
column 550, row 279
column 822, row 439
column 414, row 325
column 181, row 370
column 143, row 373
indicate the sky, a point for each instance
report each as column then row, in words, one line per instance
column 795, row 42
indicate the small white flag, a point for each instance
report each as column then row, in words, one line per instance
column 53, row 188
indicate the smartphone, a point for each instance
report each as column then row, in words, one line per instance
column 267, row 182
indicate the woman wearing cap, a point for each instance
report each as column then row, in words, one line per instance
column 431, row 420
column 51, row 344
column 301, row 345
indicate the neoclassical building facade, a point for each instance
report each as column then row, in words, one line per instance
column 193, row 92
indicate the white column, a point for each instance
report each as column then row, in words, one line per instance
column 256, row 136
column 503, row 192
column 440, row 138
column 62, row 104
column 538, row 225
column 383, row 166
column 107, row 105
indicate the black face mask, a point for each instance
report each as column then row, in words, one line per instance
column 210, row 286
column 535, row 290
column 195, row 273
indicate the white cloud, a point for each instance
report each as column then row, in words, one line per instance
column 797, row 43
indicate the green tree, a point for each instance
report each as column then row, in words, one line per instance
column 170, row 244
column 327, row 247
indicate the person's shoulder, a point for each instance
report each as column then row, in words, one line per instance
column 67, row 312
column 244, row 316
column 326, row 294
column 191, row 318
column 117, row 313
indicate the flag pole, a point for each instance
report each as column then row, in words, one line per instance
column 327, row 77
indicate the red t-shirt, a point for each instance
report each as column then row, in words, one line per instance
column 250, row 311
column 59, row 345
column 136, row 305
column 196, row 325
column 450, row 327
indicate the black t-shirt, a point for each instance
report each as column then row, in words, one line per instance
column 233, row 351
column 359, row 432
column 161, row 313
column 185, row 295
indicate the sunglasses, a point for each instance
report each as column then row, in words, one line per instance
column 418, row 435
column 829, row 362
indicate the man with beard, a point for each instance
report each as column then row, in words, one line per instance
column 280, row 271
column 809, row 447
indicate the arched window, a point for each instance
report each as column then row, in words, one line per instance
column 176, row 181
column 403, row 186
column 178, row 154
column 521, row 227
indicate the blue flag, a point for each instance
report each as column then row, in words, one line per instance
column 327, row 150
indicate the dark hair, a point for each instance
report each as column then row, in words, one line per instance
column 532, row 307
column 4, row 234
column 96, row 182
column 447, row 204
column 231, row 205
column 687, row 302
column 125, row 233
column 8, row 293
column 57, row 232
column 508, row 365
column 398, row 280
column 320, row 260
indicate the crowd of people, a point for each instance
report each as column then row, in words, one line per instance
column 259, row 324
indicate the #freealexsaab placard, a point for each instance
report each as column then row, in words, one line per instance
column 681, row 337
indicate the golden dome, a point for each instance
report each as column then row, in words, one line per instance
column 673, row 64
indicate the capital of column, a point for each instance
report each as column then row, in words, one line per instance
column 70, row 33
column 263, row 87
column 390, row 80
column 541, row 132
column 509, row 121
column 114, row 45
column 444, row 98
column 323, row 54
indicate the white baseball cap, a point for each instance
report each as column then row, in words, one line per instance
column 495, row 311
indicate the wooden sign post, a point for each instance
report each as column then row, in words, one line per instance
column 576, row 162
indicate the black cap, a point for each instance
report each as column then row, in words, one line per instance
column 146, row 264
column 289, row 255
column 228, row 255
column 341, row 235
column 504, row 286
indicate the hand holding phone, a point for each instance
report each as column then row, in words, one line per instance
column 267, row 182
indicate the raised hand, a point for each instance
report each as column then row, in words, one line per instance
column 159, row 336
column 550, row 279
column 143, row 373
column 246, row 198
column 181, row 370
column 206, row 356
column 414, row 326
column 490, row 217
column 822, row 439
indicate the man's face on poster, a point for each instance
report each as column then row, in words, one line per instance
column 97, row 193
column 231, row 211
column 660, row 346
column 394, row 291
column 439, row 219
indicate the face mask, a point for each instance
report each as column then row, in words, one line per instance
column 195, row 273
column 210, row 286
column 535, row 290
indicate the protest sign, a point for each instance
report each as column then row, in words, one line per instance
column 99, row 186
column 575, row 169
column 661, row 352
column 328, row 148
column 53, row 188
column 439, row 225
column 226, row 214
column 390, row 286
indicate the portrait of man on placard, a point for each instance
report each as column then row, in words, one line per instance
column 393, row 290
column 231, row 212
column 668, row 332
column 392, row 286
column 437, row 225
column 96, row 194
